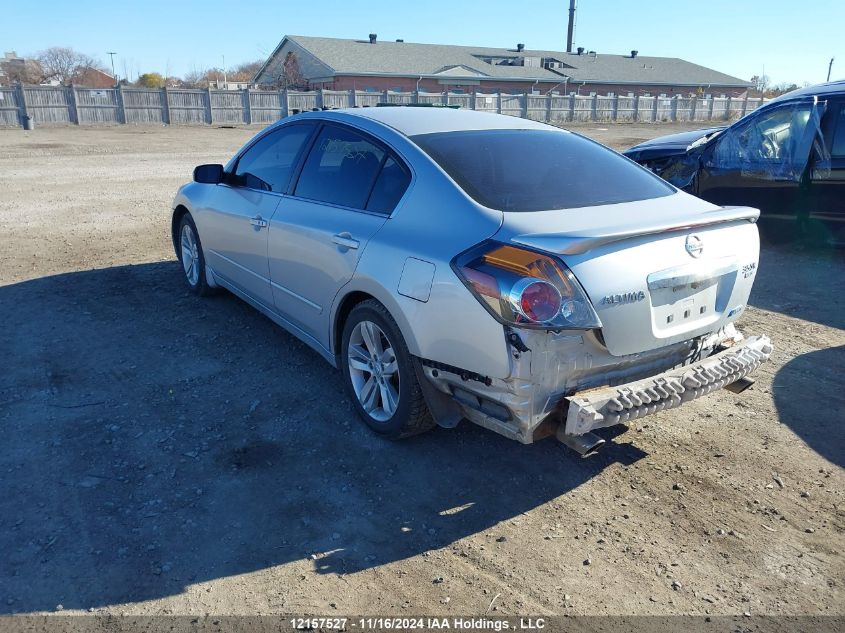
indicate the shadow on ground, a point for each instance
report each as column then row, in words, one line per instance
column 802, row 282
column 152, row 439
column 816, row 376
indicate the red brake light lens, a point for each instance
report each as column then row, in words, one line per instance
column 526, row 288
column 535, row 299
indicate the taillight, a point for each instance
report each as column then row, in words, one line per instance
column 525, row 288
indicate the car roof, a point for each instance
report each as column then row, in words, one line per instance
column 825, row 89
column 411, row 121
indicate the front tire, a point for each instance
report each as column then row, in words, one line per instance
column 189, row 251
column 379, row 374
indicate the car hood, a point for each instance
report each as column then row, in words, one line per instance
column 672, row 143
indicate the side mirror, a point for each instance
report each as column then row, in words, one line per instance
column 208, row 174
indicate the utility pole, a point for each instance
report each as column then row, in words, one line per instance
column 112, row 54
column 829, row 66
column 570, row 31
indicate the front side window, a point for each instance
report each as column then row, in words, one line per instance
column 269, row 163
column 340, row 169
column 774, row 144
column 538, row 170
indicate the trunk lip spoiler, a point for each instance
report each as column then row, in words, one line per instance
column 579, row 242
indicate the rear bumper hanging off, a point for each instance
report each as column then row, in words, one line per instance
column 607, row 406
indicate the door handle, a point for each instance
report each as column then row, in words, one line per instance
column 345, row 240
column 258, row 221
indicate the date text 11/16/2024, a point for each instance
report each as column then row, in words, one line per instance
column 417, row 623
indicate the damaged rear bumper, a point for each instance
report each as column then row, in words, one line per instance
column 608, row 406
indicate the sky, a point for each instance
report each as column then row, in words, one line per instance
column 788, row 41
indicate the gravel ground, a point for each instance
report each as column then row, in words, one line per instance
column 168, row 454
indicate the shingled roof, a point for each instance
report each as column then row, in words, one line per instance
column 360, row 57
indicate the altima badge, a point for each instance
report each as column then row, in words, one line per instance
column 694, row 245
column 625, row 297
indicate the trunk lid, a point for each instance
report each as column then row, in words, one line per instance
column 657, row 271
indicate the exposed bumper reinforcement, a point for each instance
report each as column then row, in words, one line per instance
column 608, row 406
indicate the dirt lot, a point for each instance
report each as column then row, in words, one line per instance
column 168, row 454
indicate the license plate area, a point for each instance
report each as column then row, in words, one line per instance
column 685, row 307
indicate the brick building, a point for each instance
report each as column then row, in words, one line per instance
column 373, row 65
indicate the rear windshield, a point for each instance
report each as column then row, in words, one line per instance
column 536, row 170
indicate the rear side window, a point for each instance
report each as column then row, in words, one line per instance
column 269, row 163
column 341, row 168
column 536, row 170
column 389, row 188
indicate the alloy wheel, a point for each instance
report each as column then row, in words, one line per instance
column 374, row 370
column 190, row 255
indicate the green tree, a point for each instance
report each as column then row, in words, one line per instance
column 151, row 80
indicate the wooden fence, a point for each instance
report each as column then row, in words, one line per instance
column 58, row 105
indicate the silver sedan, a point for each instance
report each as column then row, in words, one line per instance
column 462, row 265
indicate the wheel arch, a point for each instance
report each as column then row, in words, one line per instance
column 179, row 212
column 356, row 293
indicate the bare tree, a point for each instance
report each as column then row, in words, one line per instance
column 195, row 79
column 62, row 64
column 18, row 70
column 761, row 83
column 246, row 71
column 291, row 76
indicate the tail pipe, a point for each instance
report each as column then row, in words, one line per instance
column 585, row 445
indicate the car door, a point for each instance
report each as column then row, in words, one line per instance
column 347, row 187
column 761, row 160
column 826, row 209
column 236, row 220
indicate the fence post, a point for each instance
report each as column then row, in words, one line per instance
column 615, row 110
column 654, row 109
column 445, row 97
column 548, row 107
column 636, row 113
column 710, row 109
column 285, row 103
column 121, row 104
column 728, row 108
column 166, row 102
column 744, row 105
column 673, row 112
column 499, row 102
column 209, row 112
column 320, row 101
column 692, row 108
column 571, row 106
column 247, row 107
column 594, row 107
column 74, row 105
column 23, row 113
column 416, row 97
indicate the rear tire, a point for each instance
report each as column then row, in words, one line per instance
column 189, row 252
column 379, row 374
